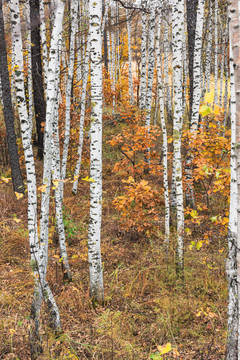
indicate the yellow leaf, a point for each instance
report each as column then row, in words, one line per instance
column 74, row 257
column 165, row 349
column 16, row 220
column 55, row 183
column 170, row 140
column 89, row 179
column 209, row 97
column 6, row 180
column 18, row 195
column 42, row 188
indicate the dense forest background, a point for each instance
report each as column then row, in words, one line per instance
column 118, row 179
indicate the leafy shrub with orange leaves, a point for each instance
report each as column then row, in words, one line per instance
column 139, row 207
column 133, row 142
column 211, row 174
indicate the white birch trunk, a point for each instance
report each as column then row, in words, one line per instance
column 30, row 84
column 151, row 62
column 216, row 52
column 43, row 41
column 197, row 67
column 25, row 127
column 82, row 117
column 177, row 30
column 233, row 348
column 94, row 234
column 142, row 90
column 222, row 66
column 166, row 71
column 165, row 143
column 130, row 80
column 74, row 5
column 209, row 52
column 51, row 99
column 232, row 232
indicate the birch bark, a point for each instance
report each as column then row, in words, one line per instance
column 177, row 36
column 74, row 8
column 17, row 180
column 82, row 117
column 216, row 52
column 142, row 90
column 233, row 348
column 94, row 234
column 130, row 79
column 164, row 134
column 231, row 264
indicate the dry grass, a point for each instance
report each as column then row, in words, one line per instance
column 145, row 305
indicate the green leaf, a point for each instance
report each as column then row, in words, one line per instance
column 205, row 110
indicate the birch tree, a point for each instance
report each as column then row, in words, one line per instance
column 74, row 8
column 94, row 234
column 142, row 90
column 17, row 180
column 130, row 80
column 177, row 30
column 37, row 74
column 231, row 266
column 41, row 258
column 164, row 134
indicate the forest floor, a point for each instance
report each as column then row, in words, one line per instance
column 145, row 307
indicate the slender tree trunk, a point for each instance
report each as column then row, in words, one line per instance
column 94, row 234
column 82, row 117
column 209, row 51
column 216, row 52
column 177, row 36
column 142, row 96
column 130, row 80
column 165, row 143
column 166, row 71
column 43, row 35
column 191, row 27
column 41, row 288
column 74, row 6
column 37, row 76
column 231, row 267
column 151, row 62
column 233, row 349
column 17, row 180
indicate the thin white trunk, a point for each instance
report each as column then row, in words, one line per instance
column 177, row 30
column 74, row 6
column 216, row 52
column 151, row 62
column 164, row 134
column 25, row 127
column 209, row 52
column 130, row 80
column 142, row 90
column 82, row 117
column 95, row 218
column 197, row 67
column 166, row 70
column 232, row 231
column 43, row 41
column 30, row 84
